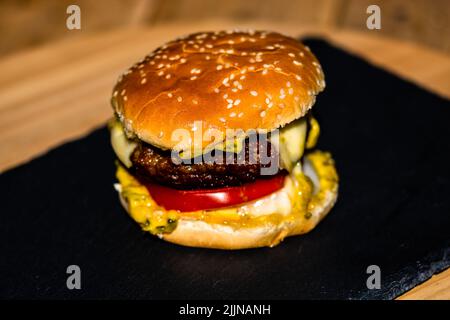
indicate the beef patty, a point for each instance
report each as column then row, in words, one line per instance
column 155, row 164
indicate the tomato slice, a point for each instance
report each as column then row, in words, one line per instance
column 193, row 200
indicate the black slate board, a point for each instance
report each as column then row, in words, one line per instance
column 390, row 142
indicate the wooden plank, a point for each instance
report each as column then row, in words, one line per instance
column 61, row 91
column 437, row 288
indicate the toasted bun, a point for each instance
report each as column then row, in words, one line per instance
column 202, row 234
column 217, row 236
column 238, row 80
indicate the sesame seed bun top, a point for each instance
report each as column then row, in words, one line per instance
column 228, row 79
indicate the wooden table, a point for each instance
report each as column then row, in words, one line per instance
column 61, row 91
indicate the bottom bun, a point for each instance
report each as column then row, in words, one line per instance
column 197, row 233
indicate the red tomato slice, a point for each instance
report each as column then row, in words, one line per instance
column 193, row 200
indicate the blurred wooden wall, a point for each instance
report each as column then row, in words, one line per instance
column 25, row 23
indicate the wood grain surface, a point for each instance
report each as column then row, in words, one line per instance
column 61, row 91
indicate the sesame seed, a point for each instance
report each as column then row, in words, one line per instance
column 219, row 67
column 296, row 98
column 168, row 76
column 122, row 93
column 193, row 77
column 207, row 57
column 194, row 101
column 179, row 99
column 315, row 64
column 160, row 65
column 267, row 100
column 288, row 84
column 196, row 71
column 170, row 95
column 252, row 60
column 234, row 89
column 291, row 91
column 264, row 71
column 240, row 114
column 225, row 81
column 144, row 80
column 290, row 54
column 270, row 47
column 115, row 93
column 254, row 93
column 230, row 100
column 160, row 134
column 216, row 90
column 282, row 91
column 160, row 73
column 233, row 114
column 263, row 114
column 152, row 62
column 242, row 78
column 229, row 106
column 209, row 46
column 183, row 60
column 225, row 96
column 301, row 54
column 270, row 105
column 236, row 102
column 232, row 77
column 298, row 77
column 298, row 63
column 125, row 98
column 222, row 120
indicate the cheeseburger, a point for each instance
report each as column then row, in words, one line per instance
column 215, row 138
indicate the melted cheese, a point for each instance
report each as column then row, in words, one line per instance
column 294, row 201
column 313, row 134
